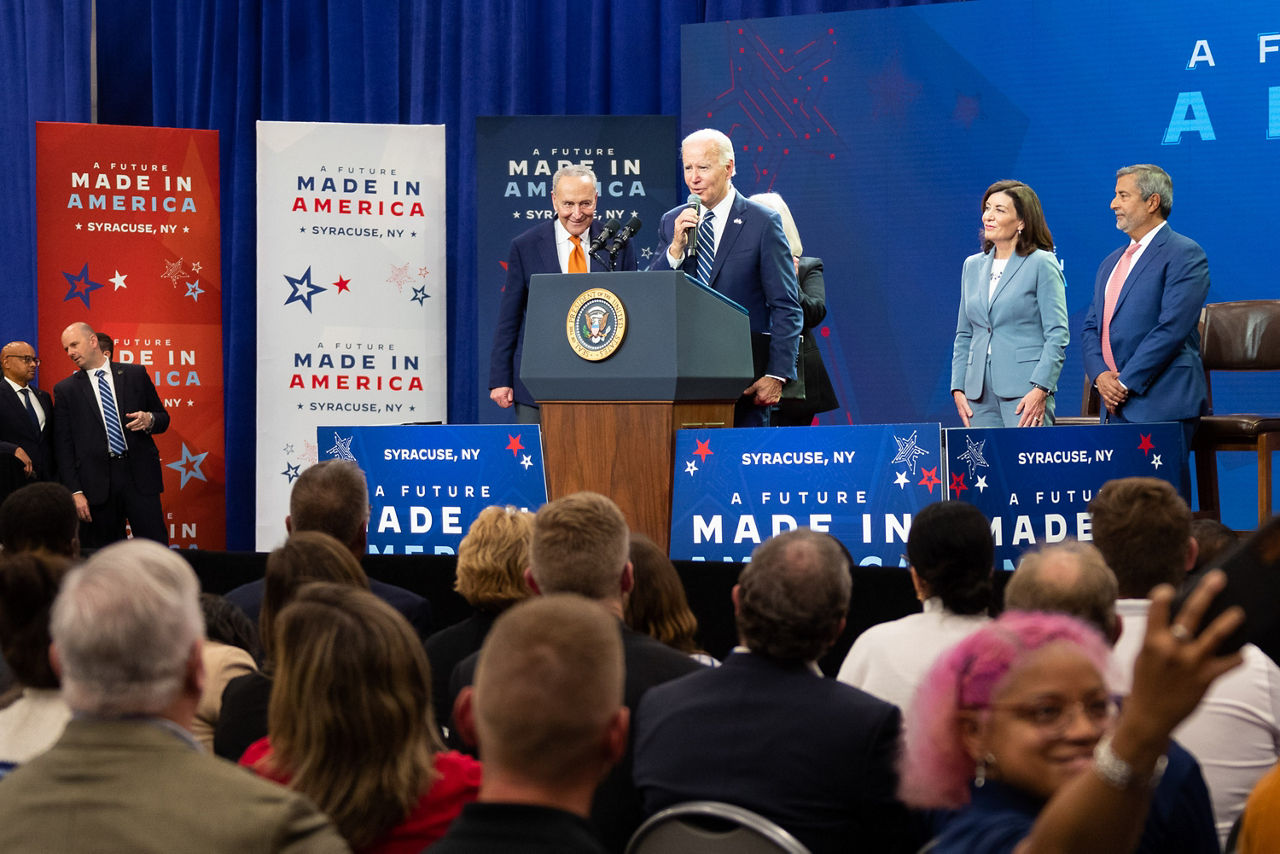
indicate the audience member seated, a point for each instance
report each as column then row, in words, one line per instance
column 332, row 497
column 657, row 605
column 126, row 774
column 766, row 731
column 1072, row 578
column 305, row 556
column 351, row 724
column 229, row 645
column 35, row 720
column 1143, row 529
column 547, row 711
column 1260, row 823
column 40, row 517
column 580, row 545
column 492, row 558
column 1015, row 727
column 1214, row 541
column 951, row 554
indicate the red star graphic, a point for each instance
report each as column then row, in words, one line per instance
column 514, row 445
column 930, row 478
column 1145, row 445
column 342, row 284
column 704, row 450
column 957, row 484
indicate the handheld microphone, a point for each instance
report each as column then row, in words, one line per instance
column 628, row 231
column 691, row 248
column 606, row 234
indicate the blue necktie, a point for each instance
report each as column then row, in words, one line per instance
column 706, row 249
column 115, row 433
column 31, row 410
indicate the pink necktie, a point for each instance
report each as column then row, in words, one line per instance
column 1114, row 284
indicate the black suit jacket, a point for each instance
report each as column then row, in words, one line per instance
column 17, row 431
column 81, row 437
column 819, row 394
column 815, row 755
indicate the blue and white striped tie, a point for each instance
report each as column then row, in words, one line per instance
column 111, row 415
column 706, row 249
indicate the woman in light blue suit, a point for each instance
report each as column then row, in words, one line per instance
column 1012, row 328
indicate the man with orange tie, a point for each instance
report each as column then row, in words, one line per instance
column 1140, row 338
column 558, row 246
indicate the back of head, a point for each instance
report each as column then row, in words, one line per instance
column 951, row 549
column 305, row 556
column 775, row 202
column 1143, row 529
column 936, row 767
column 332, row 496
column 657, row 604
column 40, row 516
column 350, row 713
column 548, row 683
column 493, row 556
column 580, row 545
column 1067, row 578
column 793, row 596
column 1214, row 542
column 224, row 622
column 124, row 626
column 28, row 585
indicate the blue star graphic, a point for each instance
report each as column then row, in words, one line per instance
column 194, row 290
column 973, row 455
column 297, row 295
column 341, row 448
column 290, row 472
column 420, row 296
column 76, row 281
column 181, row 466
column 909, row 451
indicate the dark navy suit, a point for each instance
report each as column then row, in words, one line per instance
column 532, row 252
column 753, row 267
column 17, row 431
column 115, row 489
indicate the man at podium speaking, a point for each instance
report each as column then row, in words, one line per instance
column 737, row 247
column 561, row 245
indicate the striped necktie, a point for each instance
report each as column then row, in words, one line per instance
column 111, row 415
column 706, row 248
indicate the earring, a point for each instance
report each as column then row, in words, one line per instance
column 980, row 770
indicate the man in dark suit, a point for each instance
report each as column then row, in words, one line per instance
column 741, row 252
column 557, row 246
column 766, row 730
column 104, row 416
column 581, row 544
column 26, row 420
column 1141, row 339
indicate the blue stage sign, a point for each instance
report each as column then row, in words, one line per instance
column 428, row 482
column 862, row 484
column 1035, row 485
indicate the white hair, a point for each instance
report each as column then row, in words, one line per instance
column 124, row 627
column 711, row 136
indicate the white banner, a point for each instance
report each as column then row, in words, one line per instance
column 351, row 291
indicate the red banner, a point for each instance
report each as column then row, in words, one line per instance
column 129, row 242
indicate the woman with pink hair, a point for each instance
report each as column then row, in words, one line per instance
column 1015, row 728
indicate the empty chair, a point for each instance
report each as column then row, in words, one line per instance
column 710, row 827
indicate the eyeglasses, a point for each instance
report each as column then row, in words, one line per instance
column 1054, row 716
column 30, row 360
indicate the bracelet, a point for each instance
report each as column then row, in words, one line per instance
column 1043, row 389
column 1116, row 772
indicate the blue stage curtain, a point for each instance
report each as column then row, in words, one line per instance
column 224, row 64
column 44, row 54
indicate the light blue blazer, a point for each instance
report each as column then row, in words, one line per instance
column 1024, row 325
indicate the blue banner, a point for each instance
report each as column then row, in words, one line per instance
column 427, row 483
column 1035, row 485
column 863, row 485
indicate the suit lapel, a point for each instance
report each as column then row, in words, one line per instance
column 1010, row 270
column 91, row 401
column 1149, row 255
column 732, row 228
column 547, row 250
column 9, row 398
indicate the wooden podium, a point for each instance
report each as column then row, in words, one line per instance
column 609, row 424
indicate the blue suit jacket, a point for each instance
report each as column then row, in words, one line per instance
column 532, row 252
column 753, row 268
column 1154, row 332
column 1024, row 325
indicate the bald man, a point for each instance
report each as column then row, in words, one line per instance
column 104, row 416
column 26, row 420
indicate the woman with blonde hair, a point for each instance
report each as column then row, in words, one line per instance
column 351, row 725
column 492, row 558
